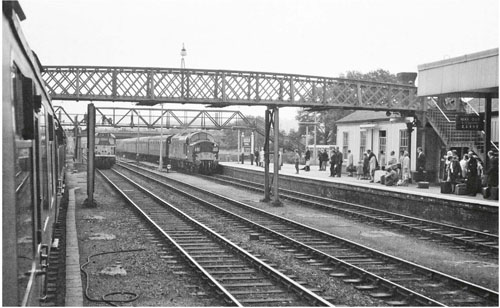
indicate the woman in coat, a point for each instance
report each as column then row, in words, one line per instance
column 405, row 165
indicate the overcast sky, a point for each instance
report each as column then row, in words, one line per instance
column 323, row 38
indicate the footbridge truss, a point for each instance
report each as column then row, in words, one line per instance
column 218, row 88
column 152, row 118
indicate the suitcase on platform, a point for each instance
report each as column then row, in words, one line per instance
column 423, row 184
column 446, row 188
column 382, row 180
column 461, row 189
column 493, row 193
column 486, row 192
column 490, row 193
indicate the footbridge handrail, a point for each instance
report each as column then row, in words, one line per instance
column 220, row 88
column 441, row 110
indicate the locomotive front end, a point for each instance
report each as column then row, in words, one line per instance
column 105, row 156
column 206, row 156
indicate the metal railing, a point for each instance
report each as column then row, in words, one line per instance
column 220, row 88
column 447, row 128
column 470, row 109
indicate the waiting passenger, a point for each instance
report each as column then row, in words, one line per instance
column 325, row 159
column 491, row 173
column 405, row 165
column 455, row 171
column 360, row 170
column 320, row 159
column 350, row 163
column 420, row 164
column 391, row 176
column 308, row 160
column 381, row 160
column 340, row 160
column 471, row 175
column 296, row 161
column 463, row 165
column 366, row 166
column 333, row 163
column 373, row 164
column 392, row 162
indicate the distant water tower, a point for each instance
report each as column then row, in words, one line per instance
column 183, row 54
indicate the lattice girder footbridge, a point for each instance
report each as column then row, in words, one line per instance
column 120, row 117
column 220, row 88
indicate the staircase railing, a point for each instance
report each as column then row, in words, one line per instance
column 470, row 109
column 446, row 129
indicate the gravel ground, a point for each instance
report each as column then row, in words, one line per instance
column 107, row 227
column 334, row 289
column 465, row 265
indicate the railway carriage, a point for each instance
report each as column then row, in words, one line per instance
column 33, row 156
column 191, row 151
column 154, row 144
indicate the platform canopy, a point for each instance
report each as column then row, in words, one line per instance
column 472, row 75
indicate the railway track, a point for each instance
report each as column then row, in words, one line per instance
column 395, row 280
column 237, row 276
column 460, row 238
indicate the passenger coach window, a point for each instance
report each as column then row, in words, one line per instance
column 23, row 174
column 43, row 153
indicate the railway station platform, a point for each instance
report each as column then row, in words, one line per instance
column 427, row 203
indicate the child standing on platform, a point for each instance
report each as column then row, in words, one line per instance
column 360, row 170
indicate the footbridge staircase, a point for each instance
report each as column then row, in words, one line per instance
column 441, row 116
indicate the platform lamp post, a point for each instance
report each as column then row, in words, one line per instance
column 160, row 166
column 307, row 134
column 137, row 140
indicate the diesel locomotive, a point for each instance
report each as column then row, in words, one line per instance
column 33, row 160
column 195, row 152
column 105, row 146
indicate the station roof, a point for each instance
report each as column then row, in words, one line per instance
column 364, row 116
column 471, row 75
column 479, row 104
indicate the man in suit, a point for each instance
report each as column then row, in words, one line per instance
column 333, row 163
column 420, row 164
column 340, row 160
column 492, row 171
column 471, row 175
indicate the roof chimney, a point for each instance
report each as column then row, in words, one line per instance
column 407, row 78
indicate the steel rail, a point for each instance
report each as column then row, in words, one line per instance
column 264, row 268
column 373, row 278
column 331, row 205
column 476, row 289
column 199, row 268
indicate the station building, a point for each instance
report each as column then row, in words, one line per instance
column 452, row 88
column 376, row 131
